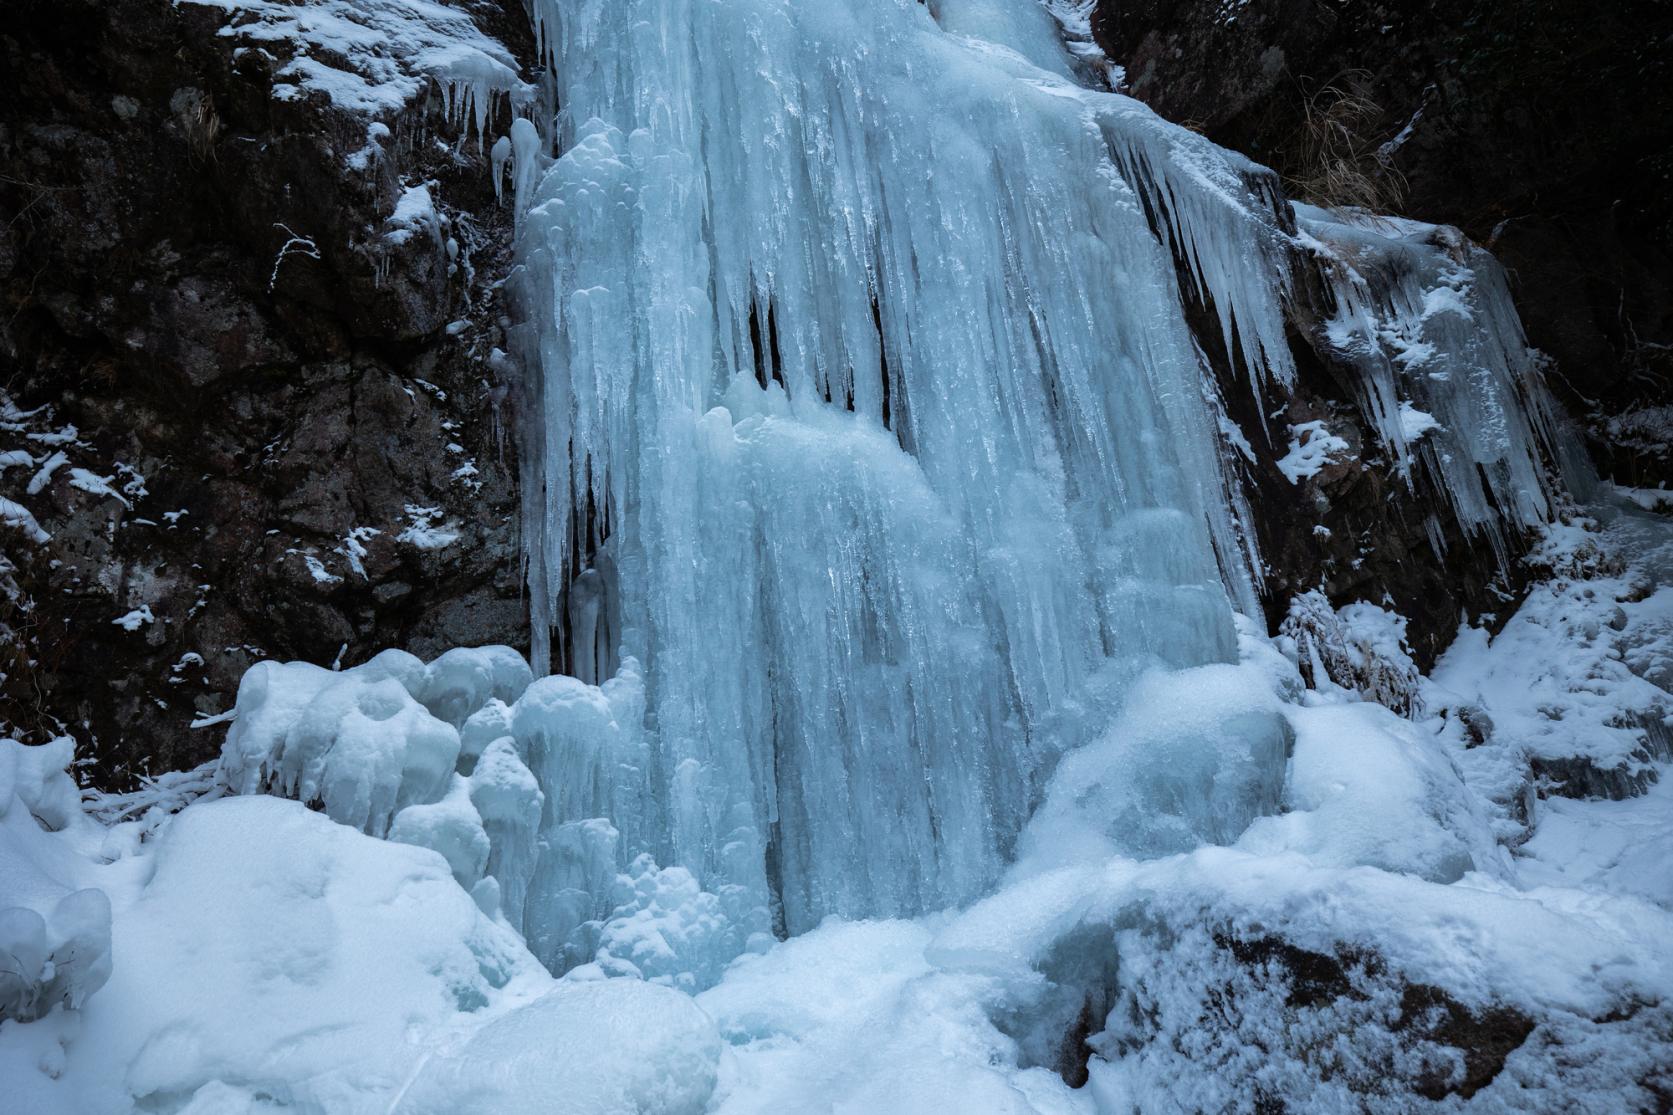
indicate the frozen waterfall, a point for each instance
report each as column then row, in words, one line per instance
column 869, row 460
column 870, row 433
column 870, row 425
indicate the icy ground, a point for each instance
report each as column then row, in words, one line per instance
column 1415, row 889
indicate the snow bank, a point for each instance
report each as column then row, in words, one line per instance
column 617, row 1047
column 1367, row 787
column 267, row 958
column 1578, row 679
column 348, row 944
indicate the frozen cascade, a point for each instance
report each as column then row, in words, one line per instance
column 869, row 463
column 1427, row 320
column 867, row 427
column 868, row 421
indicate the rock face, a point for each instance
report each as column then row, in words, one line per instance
column 1542, row 128
column 255, row 399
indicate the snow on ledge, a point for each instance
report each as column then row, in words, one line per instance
column 375, row 56
column 1311, row 449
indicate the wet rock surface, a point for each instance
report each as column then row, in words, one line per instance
column 254, row 386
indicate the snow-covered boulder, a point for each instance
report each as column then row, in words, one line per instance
column 54, row 934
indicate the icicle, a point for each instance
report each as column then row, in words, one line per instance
column 501, row 155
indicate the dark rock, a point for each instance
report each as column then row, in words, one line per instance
column 1589, row 777
column 193, row 277
column 1542, row 128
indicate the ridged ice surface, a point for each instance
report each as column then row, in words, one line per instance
column 871, row 426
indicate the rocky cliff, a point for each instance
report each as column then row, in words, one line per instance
column 1542, row 128
column 251, row 330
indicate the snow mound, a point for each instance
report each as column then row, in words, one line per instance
column 55, row 944
column 1196, row 756
column 1367, row 787
column 1312, row 447
column 350, row 945
column 613, row 1047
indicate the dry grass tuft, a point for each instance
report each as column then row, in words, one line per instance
column 1339, row 162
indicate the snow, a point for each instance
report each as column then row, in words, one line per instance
column 1225, row 814
column 1650, row 499
column 376, row 56
column 1196, row 755
column 1368, row 787
column 43, row 476
column 318, row 571
column 1619, row 847
column 591, row 1048
column 414, row 215
column 1360, row 649
column 1580, row 672
column 354, row 550
column 350, row 945
column 55, row 936
column 19, row 517
column 135, row 619
column 427, row 529
column 1415, row 423
column 91, row 482
column 1312, row 446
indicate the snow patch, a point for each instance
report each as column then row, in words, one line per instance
column 1312, row 447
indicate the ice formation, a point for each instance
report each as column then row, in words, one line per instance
column 871, row 463
column 869, row 429
column 867, row 420
column 1426, row 318
column 888, row 562
column 54, row 936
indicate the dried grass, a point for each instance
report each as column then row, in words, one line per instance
column 1339, row 162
